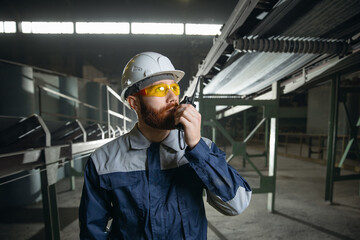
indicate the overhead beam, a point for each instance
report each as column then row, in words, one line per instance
column 216, row 99
column 241, row 12
column 236, row 19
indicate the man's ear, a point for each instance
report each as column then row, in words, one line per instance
column 132, row 100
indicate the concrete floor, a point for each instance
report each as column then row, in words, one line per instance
column 301, row 212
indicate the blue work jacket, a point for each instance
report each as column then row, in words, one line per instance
column 155, row 190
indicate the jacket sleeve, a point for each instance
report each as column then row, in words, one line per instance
column 94, row 206
column 226, row 190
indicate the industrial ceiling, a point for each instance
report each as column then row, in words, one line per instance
column 294, row 42
column 228, row 62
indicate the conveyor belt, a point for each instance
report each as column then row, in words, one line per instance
column 28, row 143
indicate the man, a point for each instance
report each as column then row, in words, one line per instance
column 143, row 180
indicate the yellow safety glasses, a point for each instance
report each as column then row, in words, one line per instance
column 159, row 90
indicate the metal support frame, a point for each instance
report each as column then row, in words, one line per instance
column 72, row 165
column 49, row 155
column 48, row 174
column 48, row 189
column 50, row 209
column 333, row 171
column 273, row 139
column 331, row 151
column 48, row 159
column 110, row 113
column 244, row 135
column 207, row 107
column 354, row 129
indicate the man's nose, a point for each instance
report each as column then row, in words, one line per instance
column 171, row 97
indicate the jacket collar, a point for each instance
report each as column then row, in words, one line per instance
column 139, row 141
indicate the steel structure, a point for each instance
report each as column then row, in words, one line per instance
column 255, row 50
column 41, row 142
column 333, row 173
column 207, row 107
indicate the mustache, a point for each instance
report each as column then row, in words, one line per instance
column 169, row 107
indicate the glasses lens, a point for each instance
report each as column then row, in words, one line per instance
column 175, row 88
column 158, row 90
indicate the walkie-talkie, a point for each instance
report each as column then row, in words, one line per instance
column 188, row 100
column 180, row 127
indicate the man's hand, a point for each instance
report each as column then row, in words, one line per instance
column 190, row 118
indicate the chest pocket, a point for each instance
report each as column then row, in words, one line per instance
column 126, row 191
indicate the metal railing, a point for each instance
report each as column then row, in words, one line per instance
column 42, row 145
column 76, row 101
column 110, row 112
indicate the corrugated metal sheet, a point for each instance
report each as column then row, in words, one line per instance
column 253, row 72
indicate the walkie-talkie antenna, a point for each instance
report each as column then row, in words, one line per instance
column 192, row 98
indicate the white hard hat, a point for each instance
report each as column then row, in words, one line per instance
column 143, row 66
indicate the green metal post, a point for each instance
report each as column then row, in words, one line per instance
column 72, row 177
column 214, row 134
column 201, row 103
column 267, row 124
column 50, row 211
column 332, row 134
column 273, row 142
column 244, row 137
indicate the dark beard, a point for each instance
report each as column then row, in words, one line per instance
column 160, row 119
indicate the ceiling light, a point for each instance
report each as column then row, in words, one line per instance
column 47, row 27
column 102, row 27
column 202, row 29
column 157, row 28
column 8, row 27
